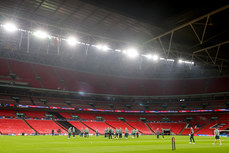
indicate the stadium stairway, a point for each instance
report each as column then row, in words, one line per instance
column 87, row 126
column 203, row 127
column 226, row 128
column 183, row 129
column 60, row 125
column 29, row 125
column 110, row 125
column 63, row 123
column 9, row 67
column 149, row 128
column 132, row 127
column 60, row 79
column 36, row 74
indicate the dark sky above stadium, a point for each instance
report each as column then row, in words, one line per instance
column 160, row 12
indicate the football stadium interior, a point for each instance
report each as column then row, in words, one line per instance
column 151, row 68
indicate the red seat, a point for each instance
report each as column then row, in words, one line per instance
column 140, row 126
column 14, row 126
column 80, row 126
column 44, row 126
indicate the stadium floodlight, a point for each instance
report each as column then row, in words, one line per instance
column 118, row 50
column 149, row 56
column 132, row 53
column 188, row 62
column 41, row 34
column 102, row 47
column 72, row 41
column 10, row 27
column 155, row 57
column 170, row 60
column 180, row 61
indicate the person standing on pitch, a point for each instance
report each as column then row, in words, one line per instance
column 137, row 133
column 192, row 136
column 162, row 133
column 105, row 132
column 120, row 133
column 133, row 133
column 69, row 132
column 73, row 132
column 126, row 133
column 110, row 133
column 81, row 132
column 86, row 133
column 97, row 132
column 216, row 132
column 157, row 133
column 52, row 132
column 116, row 133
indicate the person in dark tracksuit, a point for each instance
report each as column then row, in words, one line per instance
column 137, row 133
column 116, row 133
column 133, row 133
column 192, row 136
column 52, row 132
column 110, row 133
column 97, row 132
column 120, row 133
column 105, row 132
column 162, row 133
column 69, row 132
column 157, row 133
column 81, row 132
column 73, row 132
column 86, row 133
column 126, row 133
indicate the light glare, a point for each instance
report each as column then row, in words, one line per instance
column 155, row 57
column 10, row 27
column 41, row 34
column 149, row 56
column 180, row 61
column 72, row 41
column 132, row 53
column 102, row 47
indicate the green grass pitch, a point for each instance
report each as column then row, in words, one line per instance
column 145, row 144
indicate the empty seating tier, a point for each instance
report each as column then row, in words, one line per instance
column 44, row 126
column 14, row 126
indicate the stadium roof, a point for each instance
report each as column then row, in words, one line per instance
column 176, row 29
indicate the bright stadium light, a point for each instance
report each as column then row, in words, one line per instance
column 155, row 57
column 10, row 27
column 149, row 56
column 72, row 41
column 41, row 34
column 102, row 47
column 180, row 61
column 132, row 53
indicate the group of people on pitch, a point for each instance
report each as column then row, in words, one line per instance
column 117, row 133
column 110, row 133
column 72, row 131
column 216, row 133
column 158, row 133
